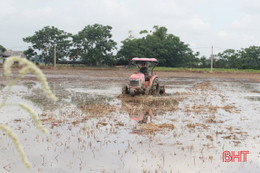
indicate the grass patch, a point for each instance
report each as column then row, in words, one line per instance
column 207, row 70
column 184, row 69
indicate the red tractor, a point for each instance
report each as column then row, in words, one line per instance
column 141, row 82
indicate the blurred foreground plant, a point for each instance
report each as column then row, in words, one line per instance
column 27, row 67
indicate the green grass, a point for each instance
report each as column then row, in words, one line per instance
column 78, row 66
column 75, row 66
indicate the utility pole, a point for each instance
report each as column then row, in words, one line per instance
column 54, row 53
column 211, row 66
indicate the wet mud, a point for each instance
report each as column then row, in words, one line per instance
column 93, row 128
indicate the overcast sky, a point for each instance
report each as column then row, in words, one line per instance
column 199, row 23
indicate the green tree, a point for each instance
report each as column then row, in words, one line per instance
column 43, row 42
column 2, row 49
column 131, row 47
column 167, row 48
column 94, row 45
column 229, row 58
column 250, row 57
column 245, row 58
column 30, row 53
column 204, row 62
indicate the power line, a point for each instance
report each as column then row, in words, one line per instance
column 200, row 47
column 206, row 47
column 221, row 48
column 17, row 47
column 215, row 47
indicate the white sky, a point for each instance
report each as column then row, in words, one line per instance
column 199, row 23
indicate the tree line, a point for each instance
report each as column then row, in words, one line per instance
column 94, row 46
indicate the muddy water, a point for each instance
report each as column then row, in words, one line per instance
column 90, row 132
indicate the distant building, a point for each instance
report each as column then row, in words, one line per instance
column 15, row 53
column 3, row 57
column 10, row 53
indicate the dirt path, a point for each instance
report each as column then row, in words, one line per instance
column 121, row 74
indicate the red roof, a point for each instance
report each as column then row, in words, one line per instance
column 145, row 59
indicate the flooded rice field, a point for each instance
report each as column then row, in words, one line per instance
column 93, row 128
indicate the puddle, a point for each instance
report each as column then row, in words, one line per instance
column 92, row 128
column 171, row 89
column 113, row 91
column 17, row 94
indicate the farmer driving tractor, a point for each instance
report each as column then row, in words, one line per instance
column 140, row 82
column 144, row 70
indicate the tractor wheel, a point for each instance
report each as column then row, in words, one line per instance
column 162, row 90
column 125, row 90
column 132, row 92
column 155, row 87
